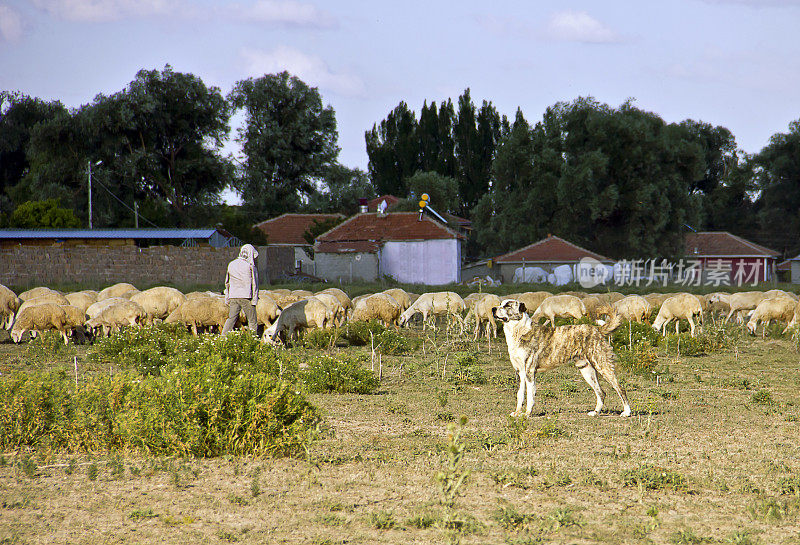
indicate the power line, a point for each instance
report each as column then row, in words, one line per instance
column 125, row 205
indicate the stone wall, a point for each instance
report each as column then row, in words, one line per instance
column 98, row 266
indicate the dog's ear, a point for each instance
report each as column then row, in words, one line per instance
column 521, row 306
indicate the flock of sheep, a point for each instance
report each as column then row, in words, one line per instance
column 285, row 313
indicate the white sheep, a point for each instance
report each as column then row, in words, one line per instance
column 158, row 302
column 117, row 290
column 657, row 299
column 439, row 303
column 532, row 299
column 344, row 300
column 95, row 309
column 780, row 307
column 593, row 305
column 304, row 314
column 197, row 312
column 681, row 306
column 9, row 306
column 738, row 302
column 54, row 298
column 337, row 312
column 401, row 296
column 482, row 310
column 40, row 318
column 75, row 319
column 81, row 299
column 114, row 317
column 267, row 310
column 563, row 306
column 379, row 306
column 37, row 292
column 633, row 308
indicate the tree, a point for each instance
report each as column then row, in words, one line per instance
column 777, row 169
column 159, row 140
column 442, row 190
column 288, row 139
column 343, row 188
column 316, row 229
column 394, row 150
column 43, row 215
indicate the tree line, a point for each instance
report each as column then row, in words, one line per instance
column 618, row 180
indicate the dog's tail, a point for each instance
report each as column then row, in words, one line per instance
column 613, row 322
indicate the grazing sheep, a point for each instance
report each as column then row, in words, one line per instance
column 681, row 306
column 40, row 318
column 633, row 308
column 795, row 318
column 302, row 294
column 113, row 318
column 37, row 292
column 205, row 311
column 780, row 308
column 779, row 293
column 95, row 309
column 358, row 298
column 483, row 313
column 532, row 299
column 593, row 305
column 55, row 298
column 436, row 304
column 158, row 302
column 117, row 290
column 75, row 320
column 746, row 300
column 303, row 314
column 344, row 300
column 559, row 305
column 267, row 310
column 473, row 298
column 9, row 306
column 81, row 299
column 380, row 306
column 657, row 299
column 283, row 299
column 337, row 312
column 401, row 296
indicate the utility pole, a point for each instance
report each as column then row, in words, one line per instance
column 136, row 214
column 89, row 171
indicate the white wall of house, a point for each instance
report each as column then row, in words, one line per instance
column 422, row 262
column 795, row 271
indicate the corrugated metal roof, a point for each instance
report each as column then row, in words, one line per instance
column 204, row 233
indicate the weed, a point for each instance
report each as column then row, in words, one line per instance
column 445, row 417
column 322, row 339
column 551, row 430
column 562, row 517
column 238, row 500
column 509, row 518
column 762, row 397
column 769, row 510
column 255, row 487
column 382, row 520
column 466, row 369
column 142, row 514
column 687, row 537
column 28, row 466
column 422, row 520
column 92, row 471
column 650, row 477
column 226, row 535
column 397, row 408
column 741, row 537
column 453, row 477
column 331, row 519
column 441, row 397
column 789, row 485
column 71, row 466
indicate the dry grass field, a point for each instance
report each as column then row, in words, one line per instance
column 711, row 455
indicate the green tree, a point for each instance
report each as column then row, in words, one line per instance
column 777, row 169
column 288, row 139
column 342, row 189
column 43, row 215
column 442, row 191
column 394, row 150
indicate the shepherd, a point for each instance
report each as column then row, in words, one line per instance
column 241, row 289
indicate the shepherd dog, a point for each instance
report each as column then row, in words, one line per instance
column 533, row 347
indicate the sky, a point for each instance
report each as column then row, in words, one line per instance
column 732, row 63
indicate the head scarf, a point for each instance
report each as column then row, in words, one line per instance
column 249, row 254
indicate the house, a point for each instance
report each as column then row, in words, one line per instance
column 459, row 224
column 407, row 246
column 214, row 237
column 792, row 269
column 726, row 259
column 547, row 254
column 390, row 200
column 287, row 231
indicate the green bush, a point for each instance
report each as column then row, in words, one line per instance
column 322, row 339
column 467, row 370
column 212, row 408
column 390, row 342
column 642, row 360
column 655, row 478
column 635, row 335
column 343, row 375
column 146, row 349
column 358, row 333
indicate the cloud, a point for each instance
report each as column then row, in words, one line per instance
column 758, row 3
column 312, row 70
column 96, row 11
column 579, row 26
column 11, row 26
column 285, row 13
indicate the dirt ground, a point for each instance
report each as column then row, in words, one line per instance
column 711, row 455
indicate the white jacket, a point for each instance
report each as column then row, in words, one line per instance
column 241, row 281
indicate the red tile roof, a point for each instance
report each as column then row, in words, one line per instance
column 289, row 228
column 724, row 244
column 551, row 250
column 372, row 206
column 784, row 265
column 370, row 231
